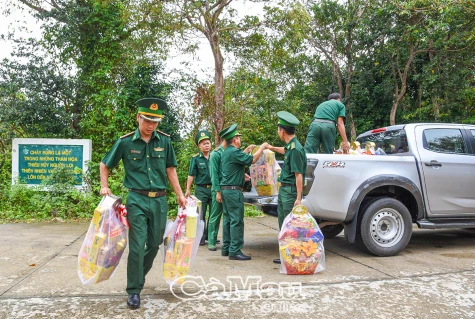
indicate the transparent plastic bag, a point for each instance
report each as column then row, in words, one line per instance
column 181, row 241
column 264, row 174
column 104, row 243
column 301, row 244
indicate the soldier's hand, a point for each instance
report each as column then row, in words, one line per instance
column 187, row 194
column 297, row 202
column 249, row 148
column 105, row 191
column 346, row 147
column 247, row 178
column 182, row 201
column 218, row 197
column 265, row 145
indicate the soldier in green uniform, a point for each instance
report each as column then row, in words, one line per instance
column 292, row 176
column 199, row 173
column 233, row 162
column 322, row 131
column 216, row 200
column 149, row 159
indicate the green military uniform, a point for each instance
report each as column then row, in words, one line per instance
column 199, row 169
column 216, row 207
column 145, row 170
column 233, row 162
column 322, row 130
column 295, row 161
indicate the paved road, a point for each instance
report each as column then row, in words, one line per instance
column 433, row 278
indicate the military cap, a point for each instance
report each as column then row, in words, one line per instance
column 287, row 119
column 231, row 131
column 202, row 135
column 151, row 109
column 223, row 131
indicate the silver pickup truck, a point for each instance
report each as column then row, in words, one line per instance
column 427, row 177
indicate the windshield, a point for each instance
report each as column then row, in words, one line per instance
column 391, row 142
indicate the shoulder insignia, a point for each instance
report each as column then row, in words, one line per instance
column 292, row 146
column 196, row 155
column 128, row 134
column 160, row 132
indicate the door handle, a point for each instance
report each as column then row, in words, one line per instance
column 433, row 163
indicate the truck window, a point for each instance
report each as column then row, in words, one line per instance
column 444, row 140
column 391, row 142
column 473, row 133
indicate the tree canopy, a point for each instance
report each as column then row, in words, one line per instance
column 392, row 61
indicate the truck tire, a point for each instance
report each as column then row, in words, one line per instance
column 331, row 231
column 385, row 227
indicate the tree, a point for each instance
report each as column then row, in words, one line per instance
column 216, row 20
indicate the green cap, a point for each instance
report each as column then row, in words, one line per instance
column 230, row 132
column 151, row 108
column 287, row 119
column 202, row 135
column 223, row 131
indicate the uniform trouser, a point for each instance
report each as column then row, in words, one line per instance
column 233, row 222
column 285, row 202
column 214, row 219
column 204, row 195
column 320, row 133
column 147, row 218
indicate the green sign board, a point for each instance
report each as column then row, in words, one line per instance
column 36, row 159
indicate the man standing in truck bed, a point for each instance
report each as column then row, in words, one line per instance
column 322, row 130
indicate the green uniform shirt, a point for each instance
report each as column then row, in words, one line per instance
column 233, row 161
column 214, row 168
column 145, row 163
column 199, row 168
column 330, row 110
column 295, row 161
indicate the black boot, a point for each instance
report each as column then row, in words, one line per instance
column 133, row 302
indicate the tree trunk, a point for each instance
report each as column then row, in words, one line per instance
column 218, row 116
column 403, row 78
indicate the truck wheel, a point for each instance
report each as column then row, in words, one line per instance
column 385, row 227
column 331, row 231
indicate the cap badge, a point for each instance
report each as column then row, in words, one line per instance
column 202, row 134
column 154, row 107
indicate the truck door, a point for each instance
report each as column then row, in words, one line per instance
column 447, row 165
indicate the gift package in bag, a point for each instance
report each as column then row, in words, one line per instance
column 301, row 244
column 181, row 241
column 264, row 174
column 104, row 243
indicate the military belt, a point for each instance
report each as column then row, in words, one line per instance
column 283, row 184
column 231, row 187
column 150, row 193
column 324, row 121
column 204, row 185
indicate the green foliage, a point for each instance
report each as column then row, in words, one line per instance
column 252, row 211
column 101, row 56
column 21, row 203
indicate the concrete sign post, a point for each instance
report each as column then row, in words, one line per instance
column 34, row 159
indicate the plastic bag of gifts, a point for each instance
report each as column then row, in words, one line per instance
column 105, row 241
column 301, row 244
column 264, row 174
column 181, row 241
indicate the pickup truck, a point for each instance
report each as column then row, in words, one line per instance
column 427, row 177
